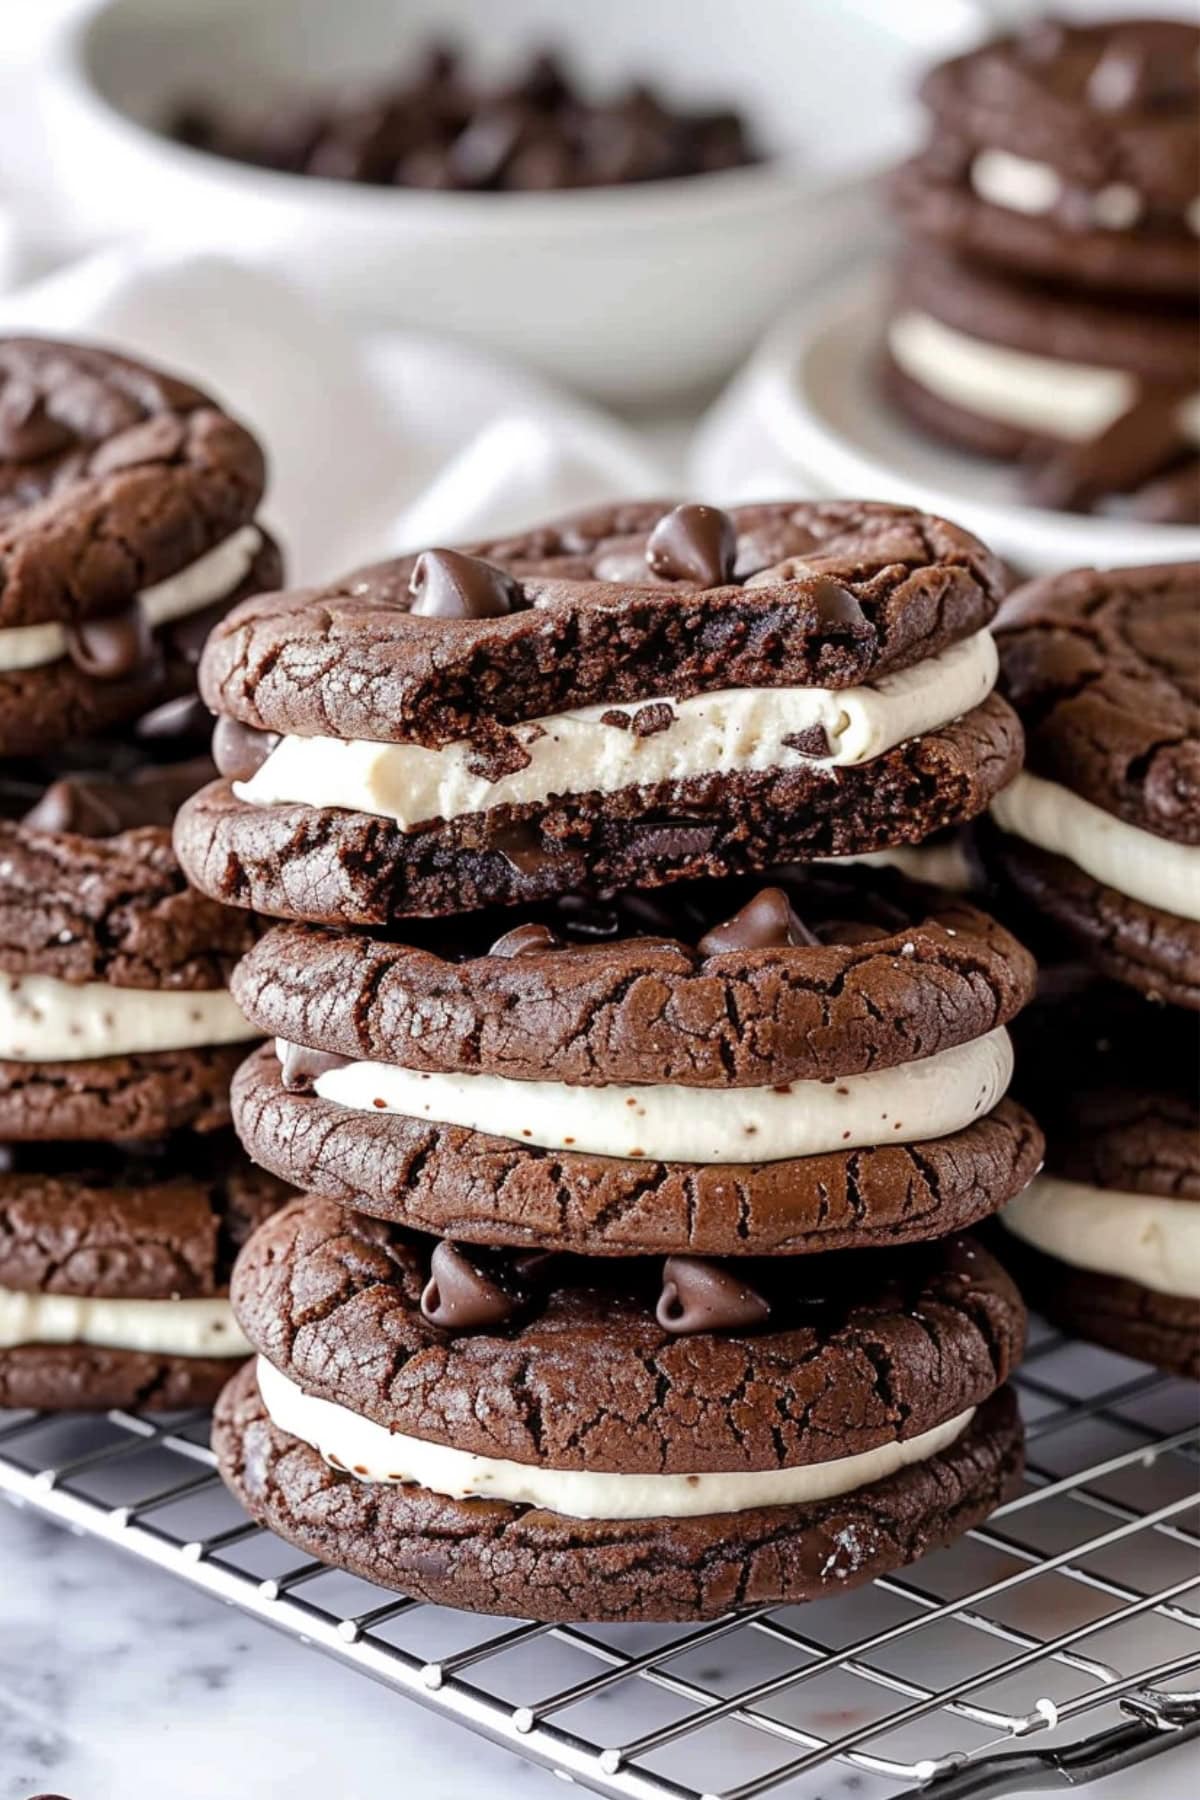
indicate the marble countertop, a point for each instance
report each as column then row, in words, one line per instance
column 117, row 1682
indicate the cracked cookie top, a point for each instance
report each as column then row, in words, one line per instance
column 626, row 602
column 854, row 1352
column 793, row 975
column 1104, row 668
column 113, row 477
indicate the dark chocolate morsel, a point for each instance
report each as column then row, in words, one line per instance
column 836, row 605
column 300, row 1066
column 445, row 584
column 767, row 922
column 183, row 718
column 72, row 805
column 521, row 846
column 693, row 543
column 671, row 837
column 100, row 806
column 112, row 648
column 27, row 431
column 238, row 750
column 461, row 1296
column 812, row 741
column 525, row 938
column 699, row 1295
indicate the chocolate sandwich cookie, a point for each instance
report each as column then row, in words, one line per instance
column 728, row 1069
column 1067, row 152
column 116, row 1020
column 1101, row 834
column 1106, row 1243
column 114, row 1273
column 630, row 696
column 573, row 1440
column 1097, row 399
column 127, row 503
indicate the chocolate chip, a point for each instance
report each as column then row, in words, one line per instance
column 521, row 846
column 836, row 606
column 83, row 807
column 767, row 922
column 620, row 721
column 699, row 1295
column 812, row 741
column 671, row 838
column 299, row 1067
column 524, row 940
column 648, row 720
column 462, row 1296
column 693, row 543
column 445, row 584
column 27, row 431
column 238, row 750
column 184, row 718
column 112, row 648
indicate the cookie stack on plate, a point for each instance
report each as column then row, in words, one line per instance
column 1097, row 846
column 632, row 1281
column 1045, row 311
column 127, row 503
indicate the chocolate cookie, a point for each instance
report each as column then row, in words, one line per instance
column 628, row 697
column 1102, row 832
column 686, row 1503
column 1095, row 397
column 114, row 1277
column 127, row 501
column 1067, row 152
column 1107, row 1242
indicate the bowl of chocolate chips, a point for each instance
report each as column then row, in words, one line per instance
column 621, row 192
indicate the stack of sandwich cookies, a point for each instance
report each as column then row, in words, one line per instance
column 1101, row 834
column 1106, row 1243
column 729, row 1069
column 123, row 1195
column 127, row 524
column 635, row 695
column 619, row 1440
column 1046, row 310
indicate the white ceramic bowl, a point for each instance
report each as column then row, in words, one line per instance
column 632, row 292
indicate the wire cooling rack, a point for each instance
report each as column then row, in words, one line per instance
column 1057, row 1643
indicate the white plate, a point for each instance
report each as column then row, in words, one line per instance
column 818, row 395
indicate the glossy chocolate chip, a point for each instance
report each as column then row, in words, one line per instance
column 238, row 750
column 112, row 648
column 78, row 806
column 300, row 1067
column 699, row 1295
column 524, row 940
column 183, row 719
column 693, row 543
column 445, row 584
column 836, row 606
column 27, row 431
column 521, row 846
column 767, row 922
column 461, row 1296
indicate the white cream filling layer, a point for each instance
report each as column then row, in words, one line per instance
column 155, row 1327
column 1134, row 862
column 218, row 572
column 43, row 1019
column 940, row 865
column 1141, row 1237
column 927, row 1099
column 1022, row 185
column 1074, row 401
column 373, row 1453
column 735, row 730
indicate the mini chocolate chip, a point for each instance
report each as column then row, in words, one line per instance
column 461, row 1296
column 767, row 922
column 836, row 605
column 648, row 720
column 445, row 584
column 184, row 718
column 699, row 1295
column 812, row 741
column 112, row 648
column 238, row 750
column 300, row 1067
column 693, row 543
column 522, row 940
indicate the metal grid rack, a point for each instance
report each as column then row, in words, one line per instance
column 1058, row 1643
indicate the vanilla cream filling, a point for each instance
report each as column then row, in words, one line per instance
column 1140, row 1237
column 43, row 1019
column 945, row 865
column 1022, row 185
column 931, row 1098
column 218, row 572
column 734, row 730
column 1137, row 864
column 1073, row 401
column 370, row 1451
column 154, row 1327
